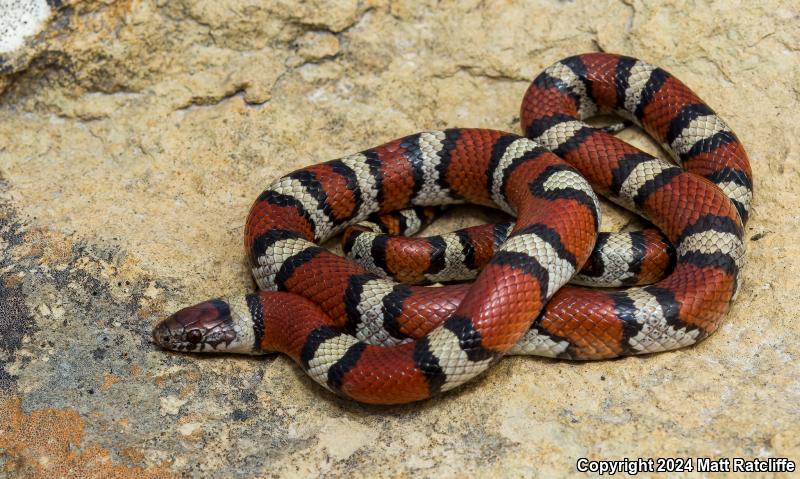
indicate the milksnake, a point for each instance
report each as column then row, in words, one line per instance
column 374, row 340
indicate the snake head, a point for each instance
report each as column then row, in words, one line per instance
column 217, row 325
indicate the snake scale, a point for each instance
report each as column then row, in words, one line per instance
column 365, row 336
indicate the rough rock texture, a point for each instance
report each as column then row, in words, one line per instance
column 135, row 134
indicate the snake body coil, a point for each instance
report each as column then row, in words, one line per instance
column 618, row 259
column 369, row 338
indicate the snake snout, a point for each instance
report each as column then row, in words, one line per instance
column 162, row 333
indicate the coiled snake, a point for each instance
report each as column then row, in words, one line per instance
column 367, row 337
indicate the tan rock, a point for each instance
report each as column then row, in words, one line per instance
column 313, row 46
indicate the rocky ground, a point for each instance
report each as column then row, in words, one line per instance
column 135, row 134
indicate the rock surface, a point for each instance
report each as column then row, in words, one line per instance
column 135, row 134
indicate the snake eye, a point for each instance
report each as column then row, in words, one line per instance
column 194, row 336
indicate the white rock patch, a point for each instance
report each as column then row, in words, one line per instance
column 20, row 19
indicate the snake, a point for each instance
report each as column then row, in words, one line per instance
column 369, row 338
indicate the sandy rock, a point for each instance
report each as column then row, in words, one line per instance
column 314, row 46
column 134, row 136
